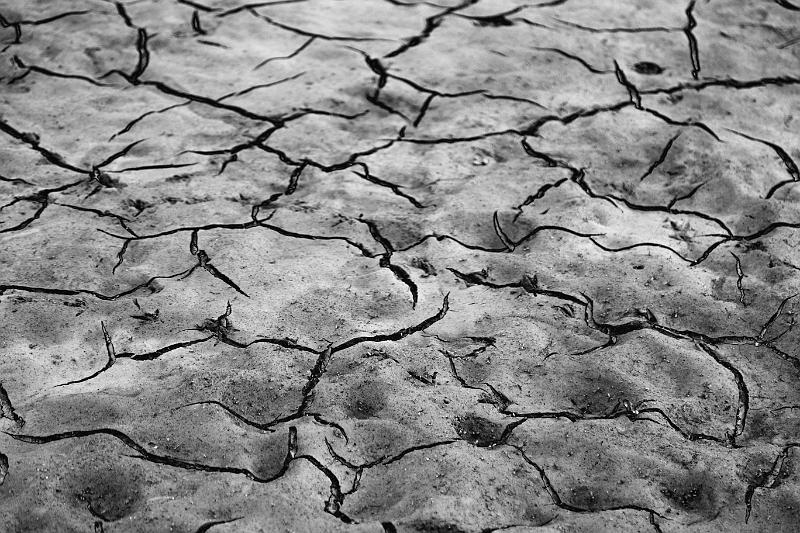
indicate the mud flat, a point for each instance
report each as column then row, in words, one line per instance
column 381, row 266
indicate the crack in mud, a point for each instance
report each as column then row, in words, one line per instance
column 769, row 479
column 691, row 24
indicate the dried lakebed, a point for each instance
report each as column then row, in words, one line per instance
column 396, row 265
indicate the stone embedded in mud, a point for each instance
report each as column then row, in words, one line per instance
column 477, row 430
column 648, row 68
column 496, row 21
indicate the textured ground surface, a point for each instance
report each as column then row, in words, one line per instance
column 349, row 265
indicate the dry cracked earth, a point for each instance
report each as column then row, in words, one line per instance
column 385, row 265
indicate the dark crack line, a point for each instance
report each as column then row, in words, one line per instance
column 196, row 25
column 768, row 480
column 645, row 29
column 52, row 73
column 399, row 334
column 17, row 181
column 661, row 158
column 432, row 93
column 321, row 364
column 49, row 19
column 17, row 26
column 744, row 395
column 123, row 13
column 789, row 163
column 268, row 426
column 397, row 457
column 525, row 238
column 431, row 23
column 100, row 296
column 574, row 57
column 686, row 123
column 383, row 75
column 358, row 469
column 373, row 99
column 539, row 194
column 214, row 271
column 299, row 166
column 491, row 96
column 725, row 83
column 633, row 92
column 306, row 33
column 423, row 109
column 396, row 189
column 204, row 261
column 498, row 230
column 290, row 56
column 514, row 526
column 253, row 223
column 164, row 459
column 205, row 100
column 688, row 435
column 533, row 128
column 385, row 260
column 790, row 42
column 763, row 232
column 787, row 5
column 739, row 278
column 169, row 90
column 151, row 167
column 778, row 186
column 144, row 55
column 577, row 176
column 141, row 117
column 32, row 140
column 262, row 426
column 691, row 24
column 120, row 256
column 669, row 208
column 197, row 5
column 255, row 5
column 648, row 321
column 41, row 197
column 527, row 285
column 155, row 354
column 589, row 236
column 778, row 312
column 285, row 342
column 112, row 358
column 558, row 502
column 208, row 525
column 622, row 409
column 496, row 20
column 121, row 153
column 332, row 505
column 546, row 484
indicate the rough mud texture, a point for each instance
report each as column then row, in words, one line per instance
column 350, row 265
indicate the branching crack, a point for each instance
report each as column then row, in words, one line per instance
column 770, row 479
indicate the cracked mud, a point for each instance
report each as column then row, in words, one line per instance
column 397, row 265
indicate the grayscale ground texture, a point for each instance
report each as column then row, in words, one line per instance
column 386, row 265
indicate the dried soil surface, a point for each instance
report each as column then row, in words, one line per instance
column 448, row 266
